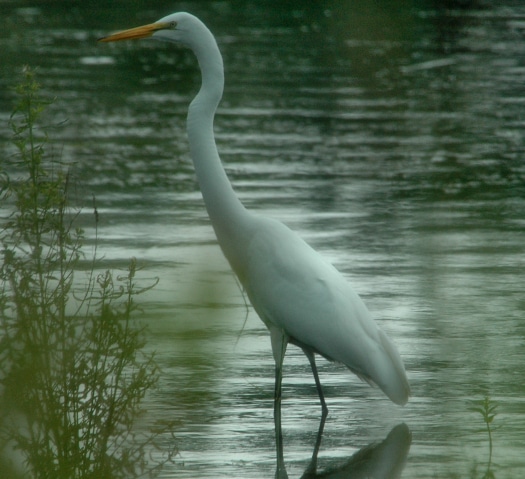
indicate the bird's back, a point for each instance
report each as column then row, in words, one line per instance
column 293, row 288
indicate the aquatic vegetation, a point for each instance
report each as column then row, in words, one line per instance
column 73, row 370
column 486, row 407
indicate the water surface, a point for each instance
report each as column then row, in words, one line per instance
column 389, row 137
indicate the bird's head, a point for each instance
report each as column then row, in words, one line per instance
column 177, row 27
column 183, row 28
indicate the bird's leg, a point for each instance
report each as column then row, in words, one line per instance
column 279, row 343
column 281, row 470
column 312, row 467
column 311, row 358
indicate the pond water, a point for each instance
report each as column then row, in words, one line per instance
column 389, row 135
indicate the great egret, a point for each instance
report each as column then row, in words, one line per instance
column 300, row 297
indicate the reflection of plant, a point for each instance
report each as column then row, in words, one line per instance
column 487, row 408
column 72, row 369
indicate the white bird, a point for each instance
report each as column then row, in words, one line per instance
column 301, row 298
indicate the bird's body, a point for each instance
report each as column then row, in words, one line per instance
column 300, row 297
column 312, row 303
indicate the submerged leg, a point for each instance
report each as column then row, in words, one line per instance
column 279, row 343
column 312, row 467
column 311, row 358
column 281, row 470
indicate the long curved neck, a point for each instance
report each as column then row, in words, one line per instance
column 227, row 214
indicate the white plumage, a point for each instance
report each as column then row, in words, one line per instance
column 299, row 296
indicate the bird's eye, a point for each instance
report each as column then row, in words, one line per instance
column 173, row 24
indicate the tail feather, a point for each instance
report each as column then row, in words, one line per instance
column 392, row 377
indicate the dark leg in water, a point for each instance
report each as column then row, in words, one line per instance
column 313, row 463
column 311, row 358
column 281, row 470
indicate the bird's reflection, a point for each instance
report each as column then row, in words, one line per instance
column 379, row 460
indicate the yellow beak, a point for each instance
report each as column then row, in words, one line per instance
column 144, row 31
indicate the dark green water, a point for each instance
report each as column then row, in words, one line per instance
column 388, row 134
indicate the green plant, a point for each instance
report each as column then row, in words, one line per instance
column 72, row 367
column 486, row 407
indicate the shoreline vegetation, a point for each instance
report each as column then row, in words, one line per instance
column 73, row 371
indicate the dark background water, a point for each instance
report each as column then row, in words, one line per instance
column 388, row 134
